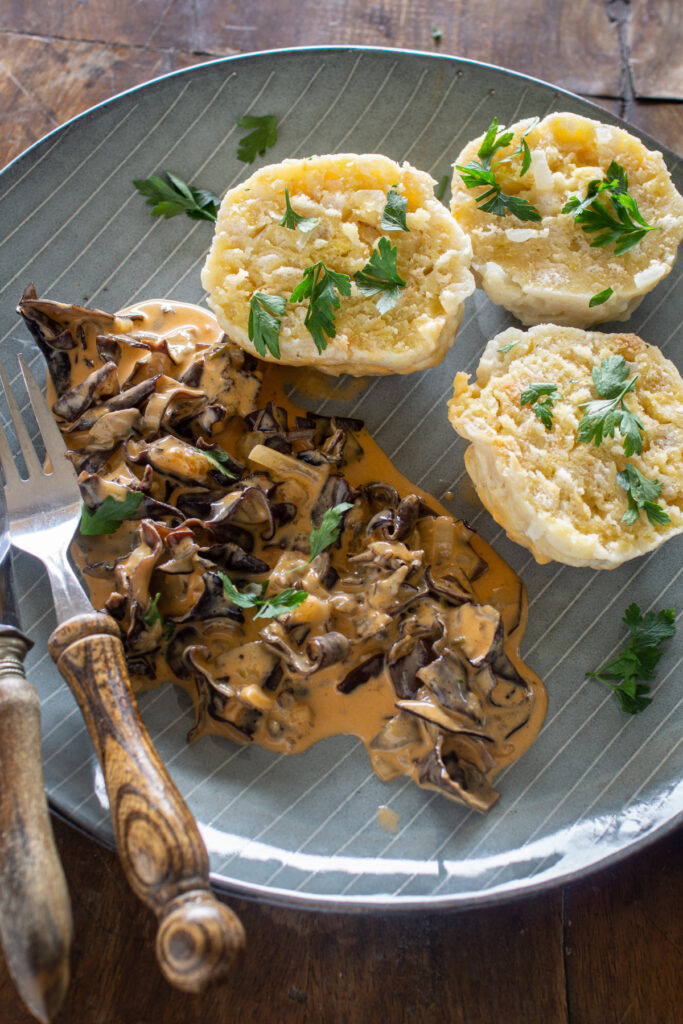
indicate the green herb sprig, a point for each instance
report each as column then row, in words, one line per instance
column 152, row 616
column 626, row 673
column 380, row 277
column 394, row 213
column 541, row 397
column 600, row 297
column 219, row 459
column 481, row 172
column 293, row 220
column 603, row 416
column 642, row 495
column 625, row 226
column 323, row 288
column 262, row 136
column 328, row 532
column 107, row 518
column 173, row 196
column 265, row 313
column 255, row 597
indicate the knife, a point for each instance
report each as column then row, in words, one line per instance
column 35, row 912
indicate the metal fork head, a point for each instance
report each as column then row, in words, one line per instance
column 43, row 508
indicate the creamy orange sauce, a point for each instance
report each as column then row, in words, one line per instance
column 313, row 708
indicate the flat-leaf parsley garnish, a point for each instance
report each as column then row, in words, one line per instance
column 330, row 527
column 394, row 213
column 219, row 459
column 263, row 134
column 600, row 297
column 254, row 596
column 173, row 196
column 603, row 416
column 265, row 312
column 624, row 226
column 638, row 660
column 642, row 494
column 541, row 397
column 293, row 220
column 323, row 288
column 110, row 514
column 482, row 172
column 380, row 277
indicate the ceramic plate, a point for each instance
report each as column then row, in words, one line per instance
column 304, row 829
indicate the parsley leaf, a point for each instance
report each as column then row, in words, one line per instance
column 482, row 172
column 601, row 418
column 542, row 406
column 152, row 615
column 220, row 459
column 265, row 312
column 255, row 597
column 281, row 603
column 506, row 348
column 330, row 527
column 626, row 229
column 394, row 215
column 262, row 136
column 109, row 515
column 625, row 673
column 320, row 286
column 294, row 220
column 173, row 196
column 642, row 494
column 380, row 276
column 600, row 297
column 436, row 33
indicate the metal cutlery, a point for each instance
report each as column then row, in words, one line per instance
column 159, row 844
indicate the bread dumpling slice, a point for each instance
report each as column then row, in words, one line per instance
column 346, row 194
column 548, row 271
column 552, row 493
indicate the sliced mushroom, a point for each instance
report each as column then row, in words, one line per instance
column 455, row 777
column 101, row 383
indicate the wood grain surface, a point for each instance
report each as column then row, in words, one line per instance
column 607, row 950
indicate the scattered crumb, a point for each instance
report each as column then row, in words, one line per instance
column 449, row 495
column 387, row 819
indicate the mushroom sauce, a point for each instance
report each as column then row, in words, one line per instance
column 409, row 634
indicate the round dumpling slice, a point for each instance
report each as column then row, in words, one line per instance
column 560, row 497
column 549, row 270
column 345, row 195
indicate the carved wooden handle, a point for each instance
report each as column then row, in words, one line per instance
column 35, row 913
column 159, row 844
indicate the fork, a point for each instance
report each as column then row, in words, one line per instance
column 162, row 853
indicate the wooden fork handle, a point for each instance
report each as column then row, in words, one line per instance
column 35, row 912
column 161, row 850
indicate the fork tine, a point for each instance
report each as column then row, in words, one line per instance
column 9, row 466
column 52, row 437
column 30, row 458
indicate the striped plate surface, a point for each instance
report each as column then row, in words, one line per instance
column 597, row 783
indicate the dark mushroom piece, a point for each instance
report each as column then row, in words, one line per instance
column 362, row 673
column 101, row 383
column 453, row 776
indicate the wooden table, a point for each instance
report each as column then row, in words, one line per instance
column 608, row 950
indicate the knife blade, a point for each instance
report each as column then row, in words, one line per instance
column 35, row 911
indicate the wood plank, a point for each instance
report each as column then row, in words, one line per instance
column 44, row 82
column 579, row 45
column 307, row 968
column 625, row 940
column 655, row 36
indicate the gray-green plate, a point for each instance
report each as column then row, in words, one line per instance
column 303, row 829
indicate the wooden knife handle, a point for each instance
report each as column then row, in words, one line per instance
column 35, row 912
column 162, row 852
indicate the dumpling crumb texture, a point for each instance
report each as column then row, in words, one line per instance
column 548, row 271
column 252, row 252
column 552, row 494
